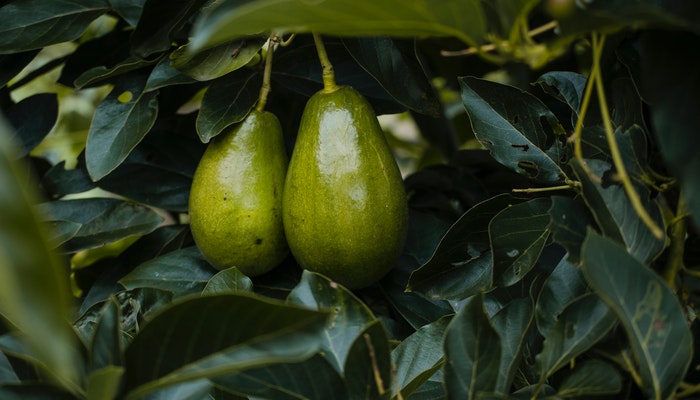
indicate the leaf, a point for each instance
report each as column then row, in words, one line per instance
column 516, row 127
column 181, row 272
column 230, row 280
column 518, row 235
column 419, row 356
column 667, row 71
column 348, row 315
column 129, row 10
column 7, row 372
column 216, row 335
column 314, row 378
column 648, row 311
column 101, row 73
column 101, row 220
column 33, row 24
column 34, row 291
column 591, row 378
column 395, row 66
column 227, row 101
column 217, row 61
column 159, row 20
column 565, row 86
column 369, row 364
column 121, row 121
column 444, row 274
column 32, row 119
column 33, row 391
column 192, row 390
column 59, row 181
column 564, row 285
column 230, row 19
column 512, row 323
column 106, row 346
column 104, row 383
column 164, row 74
column 13, row 64
column 472, row 352
column 614, row 212
column 569, row 220
column 580, row 326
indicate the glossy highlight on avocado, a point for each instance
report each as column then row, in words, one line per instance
column 345, row 211
column 236, row 197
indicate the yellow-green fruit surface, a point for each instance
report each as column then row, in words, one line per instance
column 345, row 211
column 236, row 197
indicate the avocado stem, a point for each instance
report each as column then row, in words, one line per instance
column 329, row 85
column 266, row 87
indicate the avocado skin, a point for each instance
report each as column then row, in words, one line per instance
column 236, row 197
column 344, row 209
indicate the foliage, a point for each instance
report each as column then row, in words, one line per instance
column 554, row 201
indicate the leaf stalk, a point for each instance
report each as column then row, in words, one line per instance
column 329, row 85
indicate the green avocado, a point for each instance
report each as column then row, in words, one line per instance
column 236, row 198
column 344, row 209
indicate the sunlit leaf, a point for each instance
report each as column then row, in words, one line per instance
column 230, row 19
column 647, row 309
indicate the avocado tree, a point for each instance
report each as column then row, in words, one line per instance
column 550, row 170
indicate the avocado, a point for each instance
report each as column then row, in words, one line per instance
column 344, row 207
column 236, row 197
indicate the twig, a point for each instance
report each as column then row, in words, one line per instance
column 492, row 46
column 375, row 367
column 676, row 233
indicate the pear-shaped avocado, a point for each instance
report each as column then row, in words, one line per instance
column 345, row 211
column 236, row 197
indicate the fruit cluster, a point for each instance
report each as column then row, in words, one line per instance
column 339, row 204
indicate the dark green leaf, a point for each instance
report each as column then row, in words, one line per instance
column 590, row 378
column 564, row 285
column 33, row 283
column 314, row 378
column 348, row 315
column 453, row 252
column 13, row 64
column 614, row 212
column 33, row 391
column 32, row 119
column 182, row 272
column 669, row 79
column 518, row 235
column 102, row 220
column 516, row 127
column 431, row 390
column 7, row 373
column 230, row 280
column 33, row 24
column 227, row 101
column 106, row 345
column 395, row 66
column 193, row 390
column 369, row 364
column 130, row 10
column 217, row 335
column 565, row 86
column 217, row 61
column 159, row 20
column 121, row 121
column 580, row 326
column 104, row 383
column 230, row 19
column 102, row 73
column 648, row 310
column 472, row 352
column 164, row 74
column 59, row 181
column 569, row 221
column 512, row 323
column 419, row 356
